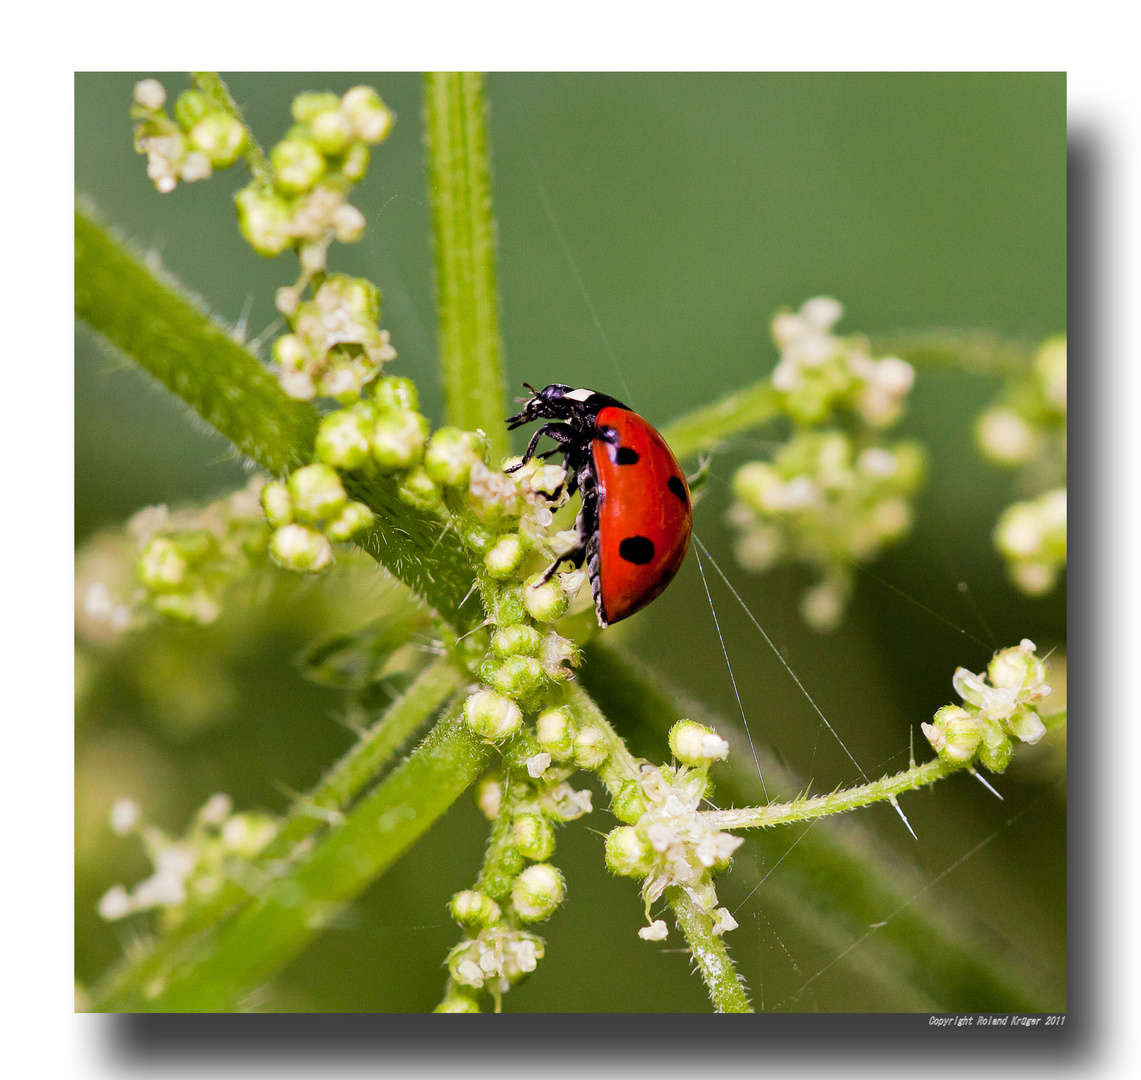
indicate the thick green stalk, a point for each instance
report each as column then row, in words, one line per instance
column 325, row 804
column 459, row 186
column 144, row 315
column 704, row 427
column 256, row 943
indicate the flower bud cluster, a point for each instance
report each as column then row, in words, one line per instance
column 1027, row 428
column 201, row 136
column 313, row 169
column 1032, row 537
column 1029, row 419
column 998, row 707
column 669, row 843
column 186, row 558
column 495, row 959
column 308, row 513
column 819, row 372
column 335, row 345
column 823, row 503
column 186, row 870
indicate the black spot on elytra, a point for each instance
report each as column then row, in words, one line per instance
column 637, row 549
column 677, row 487
column 626, row 456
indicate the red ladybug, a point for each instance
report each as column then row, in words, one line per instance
column 636, row 512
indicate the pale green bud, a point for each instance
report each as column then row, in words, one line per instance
column 308, row 106
column 331, row 131
column 289, row 352
column 457, row 1003
column 220, row 137
column 355, row 520
column 418, row 489
column 343, row 439
column 628, row 803
column 505, row 556
column 295, row 547
column 545, row 602
column 449, row 456
column 276, row 503
column 697, row 745
column 555, row 731
column 489, row 796
column 396, row 392
column 355, row 164
column 518, row 640
column 264, row 221
column 149, row 93
column 1026, row 725
column 359, row 295
column 955, row 735
column 509, row 605
column 591, row 747
column 196, row 607
column 297, row 165
column 398, row 439
column 627, row 854
column 247, row 834
column 191, row 106
column 162, row 566
column 995, row 749
column 758, row 485
column 1016, row 668
column 518, row 676
column 492, row 716
column 474, row 910
column 537, row 892
column 369, row 116
column 533, row 836
column 316, row 493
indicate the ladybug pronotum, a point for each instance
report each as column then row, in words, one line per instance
column 636, row 517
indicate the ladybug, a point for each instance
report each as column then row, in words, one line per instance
column 636, row 517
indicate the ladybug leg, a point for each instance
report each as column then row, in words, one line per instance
column 559, row 432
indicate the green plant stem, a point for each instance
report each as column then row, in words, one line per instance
column 705, row 427
column 978, row 352
column 325, row 804
column 258, row 941
column 708, row 951
column 620, row 769
column 838, row 802
column 146, row 317
column 459, row 186
column 210, row 83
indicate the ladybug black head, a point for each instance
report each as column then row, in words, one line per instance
column 559, row 402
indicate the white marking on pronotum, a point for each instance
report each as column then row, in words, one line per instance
column 580, row 395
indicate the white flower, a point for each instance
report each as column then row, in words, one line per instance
column 538, row 764
column 115, row 903
column 125, row 816
column 656, row 931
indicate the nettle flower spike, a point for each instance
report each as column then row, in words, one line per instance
column 997, row 708
column 823, row 503
column 200, row 138
column 190, row 869
column 819, row 372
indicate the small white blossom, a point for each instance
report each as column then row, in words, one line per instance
column 538, row 764
column 115, row 903
column 125, row 816
column 150, row 94
column 656, row 931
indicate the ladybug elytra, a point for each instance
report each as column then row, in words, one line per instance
column 636, row 517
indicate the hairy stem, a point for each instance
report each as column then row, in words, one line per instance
column 459, row 185
column 146, row 317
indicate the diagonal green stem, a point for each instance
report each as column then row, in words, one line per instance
column 210, row 83
column 145, row 316
column 259, row 940
column 459, row 185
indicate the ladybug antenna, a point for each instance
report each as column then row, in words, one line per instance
column 534, row 393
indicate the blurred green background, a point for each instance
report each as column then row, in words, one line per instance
column 649, row 225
